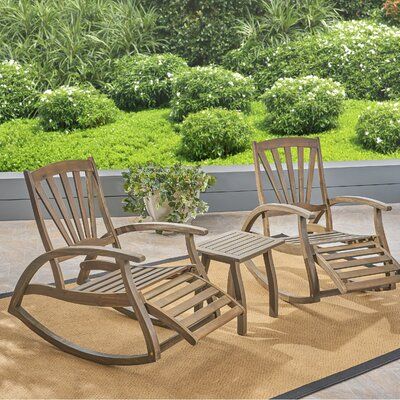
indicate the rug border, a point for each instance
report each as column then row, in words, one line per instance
column 308, row 388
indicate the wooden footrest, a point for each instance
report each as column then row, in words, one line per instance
column 219, row 321
column 358, row 266
column 192, row 306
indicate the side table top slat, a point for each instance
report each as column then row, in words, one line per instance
column 225, row 241
column 238, row 246
column 248, row 244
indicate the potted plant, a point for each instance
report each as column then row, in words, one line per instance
column 166, row 193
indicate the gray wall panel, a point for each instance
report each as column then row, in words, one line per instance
column 235, row 189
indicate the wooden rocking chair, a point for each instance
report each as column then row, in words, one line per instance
column 353, row 262
column 179, row 297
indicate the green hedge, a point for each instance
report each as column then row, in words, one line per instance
column 204, row 87
column 72, row 107
column 363, row 56
column 141, row 137
column 214, row 133
column 144, row 81
column 379, row 127
column 350, row 9
column 18, row 93
column 303, row 105
column 202, row 31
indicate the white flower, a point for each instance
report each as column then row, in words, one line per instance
column 366, row 133
column 379, row 140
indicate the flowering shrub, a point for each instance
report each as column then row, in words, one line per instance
column 303, row 105
column 18, row 94
column 363, row 56
column 143, row 81
column 71, row 107
column 205, row 87
column 392, row 10
column 214, row 133
column 379, row 127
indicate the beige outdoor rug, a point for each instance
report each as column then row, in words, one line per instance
column 303, row 345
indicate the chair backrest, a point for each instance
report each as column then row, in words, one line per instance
column 70, row 192
column 292, row 181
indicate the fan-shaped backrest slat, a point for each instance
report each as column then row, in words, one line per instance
column 282, row 153
column 72, row 208
column 292, row 179
column 62, row 207
column 53, row 213
column 79, row 192
column 281, row 175
column 91, row 203
column 311, row 169
column 271, row 176
column 72, row 204
column 300, row 164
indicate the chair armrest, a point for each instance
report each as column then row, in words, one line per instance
column 360, row 200
column 162, row 226
column 282, row 209
column 92, row 251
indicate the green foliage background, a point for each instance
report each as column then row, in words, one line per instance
column 138, row 138
column 202, row 31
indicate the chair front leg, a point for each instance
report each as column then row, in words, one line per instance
column 308, row 256
column 138, row 304
column 379, row 229
column 194, row 256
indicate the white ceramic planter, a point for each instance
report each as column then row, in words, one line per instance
column 157, row 212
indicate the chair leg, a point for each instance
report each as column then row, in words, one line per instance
column 205, row 260
column 237, row 287
column 272, row 285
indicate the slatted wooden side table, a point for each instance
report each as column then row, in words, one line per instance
column 234, row 248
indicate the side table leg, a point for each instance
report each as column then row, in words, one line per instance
column 272, row 284
column 240, row 296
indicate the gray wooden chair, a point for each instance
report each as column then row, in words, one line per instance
column 354, row 262
column 178, row 297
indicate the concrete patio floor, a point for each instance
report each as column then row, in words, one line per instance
column 20, row 243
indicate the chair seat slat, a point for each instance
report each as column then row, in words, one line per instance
column 167, row 286
column 178, row 294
